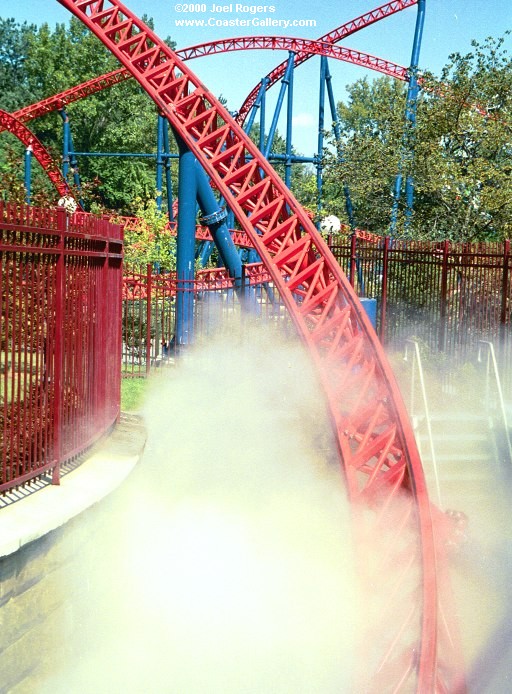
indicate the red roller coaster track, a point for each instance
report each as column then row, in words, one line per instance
column 19, row 130
column 376, row 444
column 305, row 46
column 332, row 37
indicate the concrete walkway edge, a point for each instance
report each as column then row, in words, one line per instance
column 106, row 466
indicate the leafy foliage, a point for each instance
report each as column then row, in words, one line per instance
column 122, row 119
column 462, row 156
column 149, row 239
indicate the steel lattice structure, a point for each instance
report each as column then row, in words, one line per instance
column 20, row 131
column 332, row 37
column 304, row 46
column 377, row 450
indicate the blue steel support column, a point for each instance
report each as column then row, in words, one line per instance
column 65, row 143
column 69, row 160
column 339, row 147
column 204, row 252
column 273, row 127
column 74, row 168
column 410, row 122
column 320, row 145
column 28, row 174
column 263, row 114
column 289, row 119
column 185, row 246
column 168, row 177
column 214, row 218
column 159, row 160
column 259, row 99
column 73, row 161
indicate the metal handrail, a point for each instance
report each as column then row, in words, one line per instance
column 417, row 362
column 492, row 364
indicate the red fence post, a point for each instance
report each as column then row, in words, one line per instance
column 384, row 290
column 444, row 297
column 149, row 288
column 56, row 372
column 505, row 283
column 353, row 259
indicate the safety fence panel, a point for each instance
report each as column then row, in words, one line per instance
column 149, row 316
column 60, row 338
column 448, row 295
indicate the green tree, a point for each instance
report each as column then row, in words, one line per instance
column 461, row 162
column 14, row 42
column 149, row 240
column 121, row 119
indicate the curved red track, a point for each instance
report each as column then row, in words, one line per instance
column 332, row 37
column 376, row 444
column 304, row 46
column 19, row 130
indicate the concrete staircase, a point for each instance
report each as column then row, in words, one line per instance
column 464, row 456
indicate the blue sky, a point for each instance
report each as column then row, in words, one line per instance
column 450, row 26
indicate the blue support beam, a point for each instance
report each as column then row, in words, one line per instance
column 159, row 160
column 204, row 252
column 215, row 219
column 185, row 247
column 28, row 174
column 193, row 188
column 168, row 177
column 74, row 167
column 289, row 123
column 69, row 160
column 65, row 143
column 320, row 140
column 263, row 115
column 260, row 99
column 284, row 85
column 410, row 124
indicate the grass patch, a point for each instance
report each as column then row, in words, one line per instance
column 133, row 391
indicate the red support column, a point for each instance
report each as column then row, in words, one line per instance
column 149, row 288
column 55, row 374
column 384, row 293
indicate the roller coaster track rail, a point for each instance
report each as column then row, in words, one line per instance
column 378, row 456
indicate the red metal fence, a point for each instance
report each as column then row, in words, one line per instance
column 448, row 296
column 149, row 310
column 60, row 338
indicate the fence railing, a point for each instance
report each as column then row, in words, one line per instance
column 446, row 295
column 60, row 338
column 150, row 319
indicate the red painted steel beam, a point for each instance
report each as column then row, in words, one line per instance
column 376, row 443
column 288, row 43
column 240, row 238
column 53, row 103
column 333, row 36
column 19, row 130
column 297, row 45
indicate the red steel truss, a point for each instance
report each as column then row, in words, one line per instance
column 306, row 46
column 81, row 91
column 16, row 128
column 376, row 444
column 333, row 36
